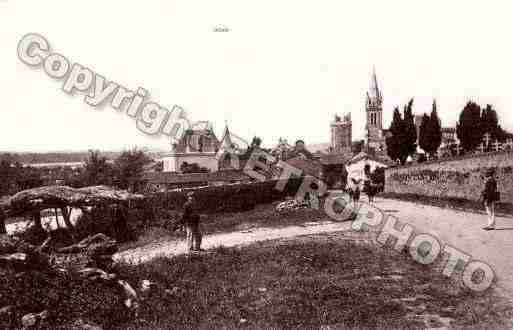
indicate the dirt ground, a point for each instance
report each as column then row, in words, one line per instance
column 463, row 230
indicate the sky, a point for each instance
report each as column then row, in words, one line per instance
column 283, row 69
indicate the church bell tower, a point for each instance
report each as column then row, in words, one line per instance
column 374, row 112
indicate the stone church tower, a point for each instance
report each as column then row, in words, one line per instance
column 374, row 110
column 341, row 134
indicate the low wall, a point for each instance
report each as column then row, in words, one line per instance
column 461, row 178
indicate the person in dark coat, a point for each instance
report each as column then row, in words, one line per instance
column 490, row 196
column 3, row 217
column 190, row 219
column 371, row 190
column 354, row 190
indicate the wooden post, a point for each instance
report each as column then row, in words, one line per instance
column 65, row 215
column 36, row 217
column 56, row 218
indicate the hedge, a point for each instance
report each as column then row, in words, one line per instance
column 212, row 199
column 227, row 198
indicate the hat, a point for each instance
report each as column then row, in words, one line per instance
column 490, row 172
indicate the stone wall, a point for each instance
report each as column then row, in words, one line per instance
column 461, row 177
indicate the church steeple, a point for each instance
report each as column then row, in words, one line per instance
column 374, row 94
column 226, row 141
column 374, row 111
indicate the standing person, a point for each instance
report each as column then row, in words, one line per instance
column 3, row 229
column 371, row 192
column 190, row 219
column 349, row 190
column 490, row 196
column 355, row 190
column 367, row 183
column 356, row 194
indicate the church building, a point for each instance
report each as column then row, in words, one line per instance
column 375, row 134
column 341, row 128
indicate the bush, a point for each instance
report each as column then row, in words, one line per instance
column 228, row 198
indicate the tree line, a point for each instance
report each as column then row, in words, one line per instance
column 51, row 157
column 474, row 123
column 124, row 172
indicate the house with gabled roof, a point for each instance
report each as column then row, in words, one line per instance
column 198, row 145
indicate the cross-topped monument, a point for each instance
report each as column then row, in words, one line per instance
column 497, row 145
column 487, row 139
column 458, row 148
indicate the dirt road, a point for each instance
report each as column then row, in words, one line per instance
column 462, row 230
column 171, row 248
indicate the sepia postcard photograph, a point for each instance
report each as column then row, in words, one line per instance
column 243, row 164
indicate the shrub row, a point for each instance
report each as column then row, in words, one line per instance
column 212, row 199
column 226, row 198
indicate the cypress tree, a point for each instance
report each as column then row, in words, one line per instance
column 469, row 128
column 410, row 132
column 435, row 130
column 424, row 134
column 396, row 138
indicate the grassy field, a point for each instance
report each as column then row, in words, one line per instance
column 338, row 280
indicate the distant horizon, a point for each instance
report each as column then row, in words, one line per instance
column 279, row 69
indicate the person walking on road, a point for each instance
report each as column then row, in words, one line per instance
column 190, row 219
column 490, row 196
column 354, row 191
